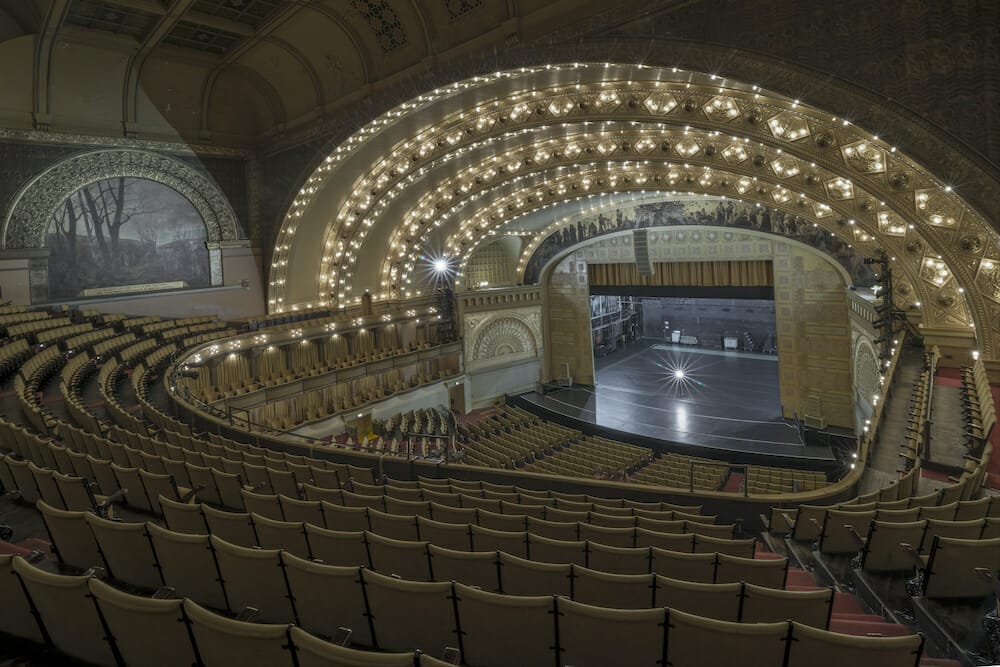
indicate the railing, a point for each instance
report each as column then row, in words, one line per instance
column 871, row 429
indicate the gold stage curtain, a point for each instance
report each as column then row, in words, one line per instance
column 739, row 273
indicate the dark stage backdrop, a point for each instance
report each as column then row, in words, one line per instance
column 710, row 319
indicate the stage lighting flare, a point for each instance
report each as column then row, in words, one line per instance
column 679, row 373
column 440, row 265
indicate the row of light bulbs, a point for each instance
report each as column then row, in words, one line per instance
column 783, row 166
column 787, row 124
column 425, row 148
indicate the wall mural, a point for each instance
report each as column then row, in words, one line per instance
column 129, row 233
column 722, row 213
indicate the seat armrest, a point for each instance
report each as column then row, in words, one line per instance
column 190, row 495
column 248, row 615
column 165, row 593
column 918, row 562
column 860, row 541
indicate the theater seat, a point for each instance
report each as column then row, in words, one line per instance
column 584, row 632
column 311, row 651
column 764, row 605
column 15, row 609
column 811, row 647
column 147, row 631
column 519, row 576
column 719, row 601
column 313, row 586
column 694, row 641
column 223, row 641
column 67, row 612
column 188, row 565
column 408, row 615
column 505, row 630
column 615, row 591
column 477, row 569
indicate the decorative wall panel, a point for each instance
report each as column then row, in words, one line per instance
column 567, row 322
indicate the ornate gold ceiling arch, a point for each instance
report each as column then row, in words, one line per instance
column 453, row 166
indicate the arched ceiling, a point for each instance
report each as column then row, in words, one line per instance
column 458, row 164
column 306, row 59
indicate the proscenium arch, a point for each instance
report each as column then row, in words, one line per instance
column 804, row 278
column 433, row 136
column 27, row 218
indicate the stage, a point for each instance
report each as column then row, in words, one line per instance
column 670, row 397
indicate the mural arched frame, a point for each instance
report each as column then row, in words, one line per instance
column 27, row 219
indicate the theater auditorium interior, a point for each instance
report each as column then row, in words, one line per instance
column 499, row 333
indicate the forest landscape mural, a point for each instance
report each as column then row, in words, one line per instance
column 125, row 232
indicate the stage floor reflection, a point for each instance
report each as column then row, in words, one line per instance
column 674, row 394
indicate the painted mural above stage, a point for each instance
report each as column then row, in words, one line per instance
column 722, row 213
column 122, row 235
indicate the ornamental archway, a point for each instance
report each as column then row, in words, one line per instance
column 456, row 165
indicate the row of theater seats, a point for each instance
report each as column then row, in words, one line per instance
column 33, row 328
column 112, row 466
column 389, row 613
column 591, row 457
column 618, row 555
column 978, row 405
column 407, row 514
column 767, row 479
column 371, row 538
column 143, row 489
column 88, row 339
column 83, row 539
column 918, row 421
column 89, row 620
column 514, row 438
column 61, row 332
column 429, row 421
column 950, row 538
column 157, row 494
column 685, row 472
column 165, row 325
column 349, row 395
column 277, row 365
column 12, row 355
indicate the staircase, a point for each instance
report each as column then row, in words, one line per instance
column 848, row 616
column 895, row 418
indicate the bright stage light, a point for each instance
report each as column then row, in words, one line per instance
column 440, row 265
column 679, row 374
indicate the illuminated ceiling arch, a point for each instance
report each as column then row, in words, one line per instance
column 456, row 165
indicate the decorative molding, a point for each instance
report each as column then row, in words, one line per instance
column 866, row 369
column 27, row 219
column 66, row 138
column 515, row 332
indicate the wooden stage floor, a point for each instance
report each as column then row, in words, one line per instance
column 726, row 401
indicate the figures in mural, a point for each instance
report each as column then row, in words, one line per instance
column 125, row 232
column 724, row 213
